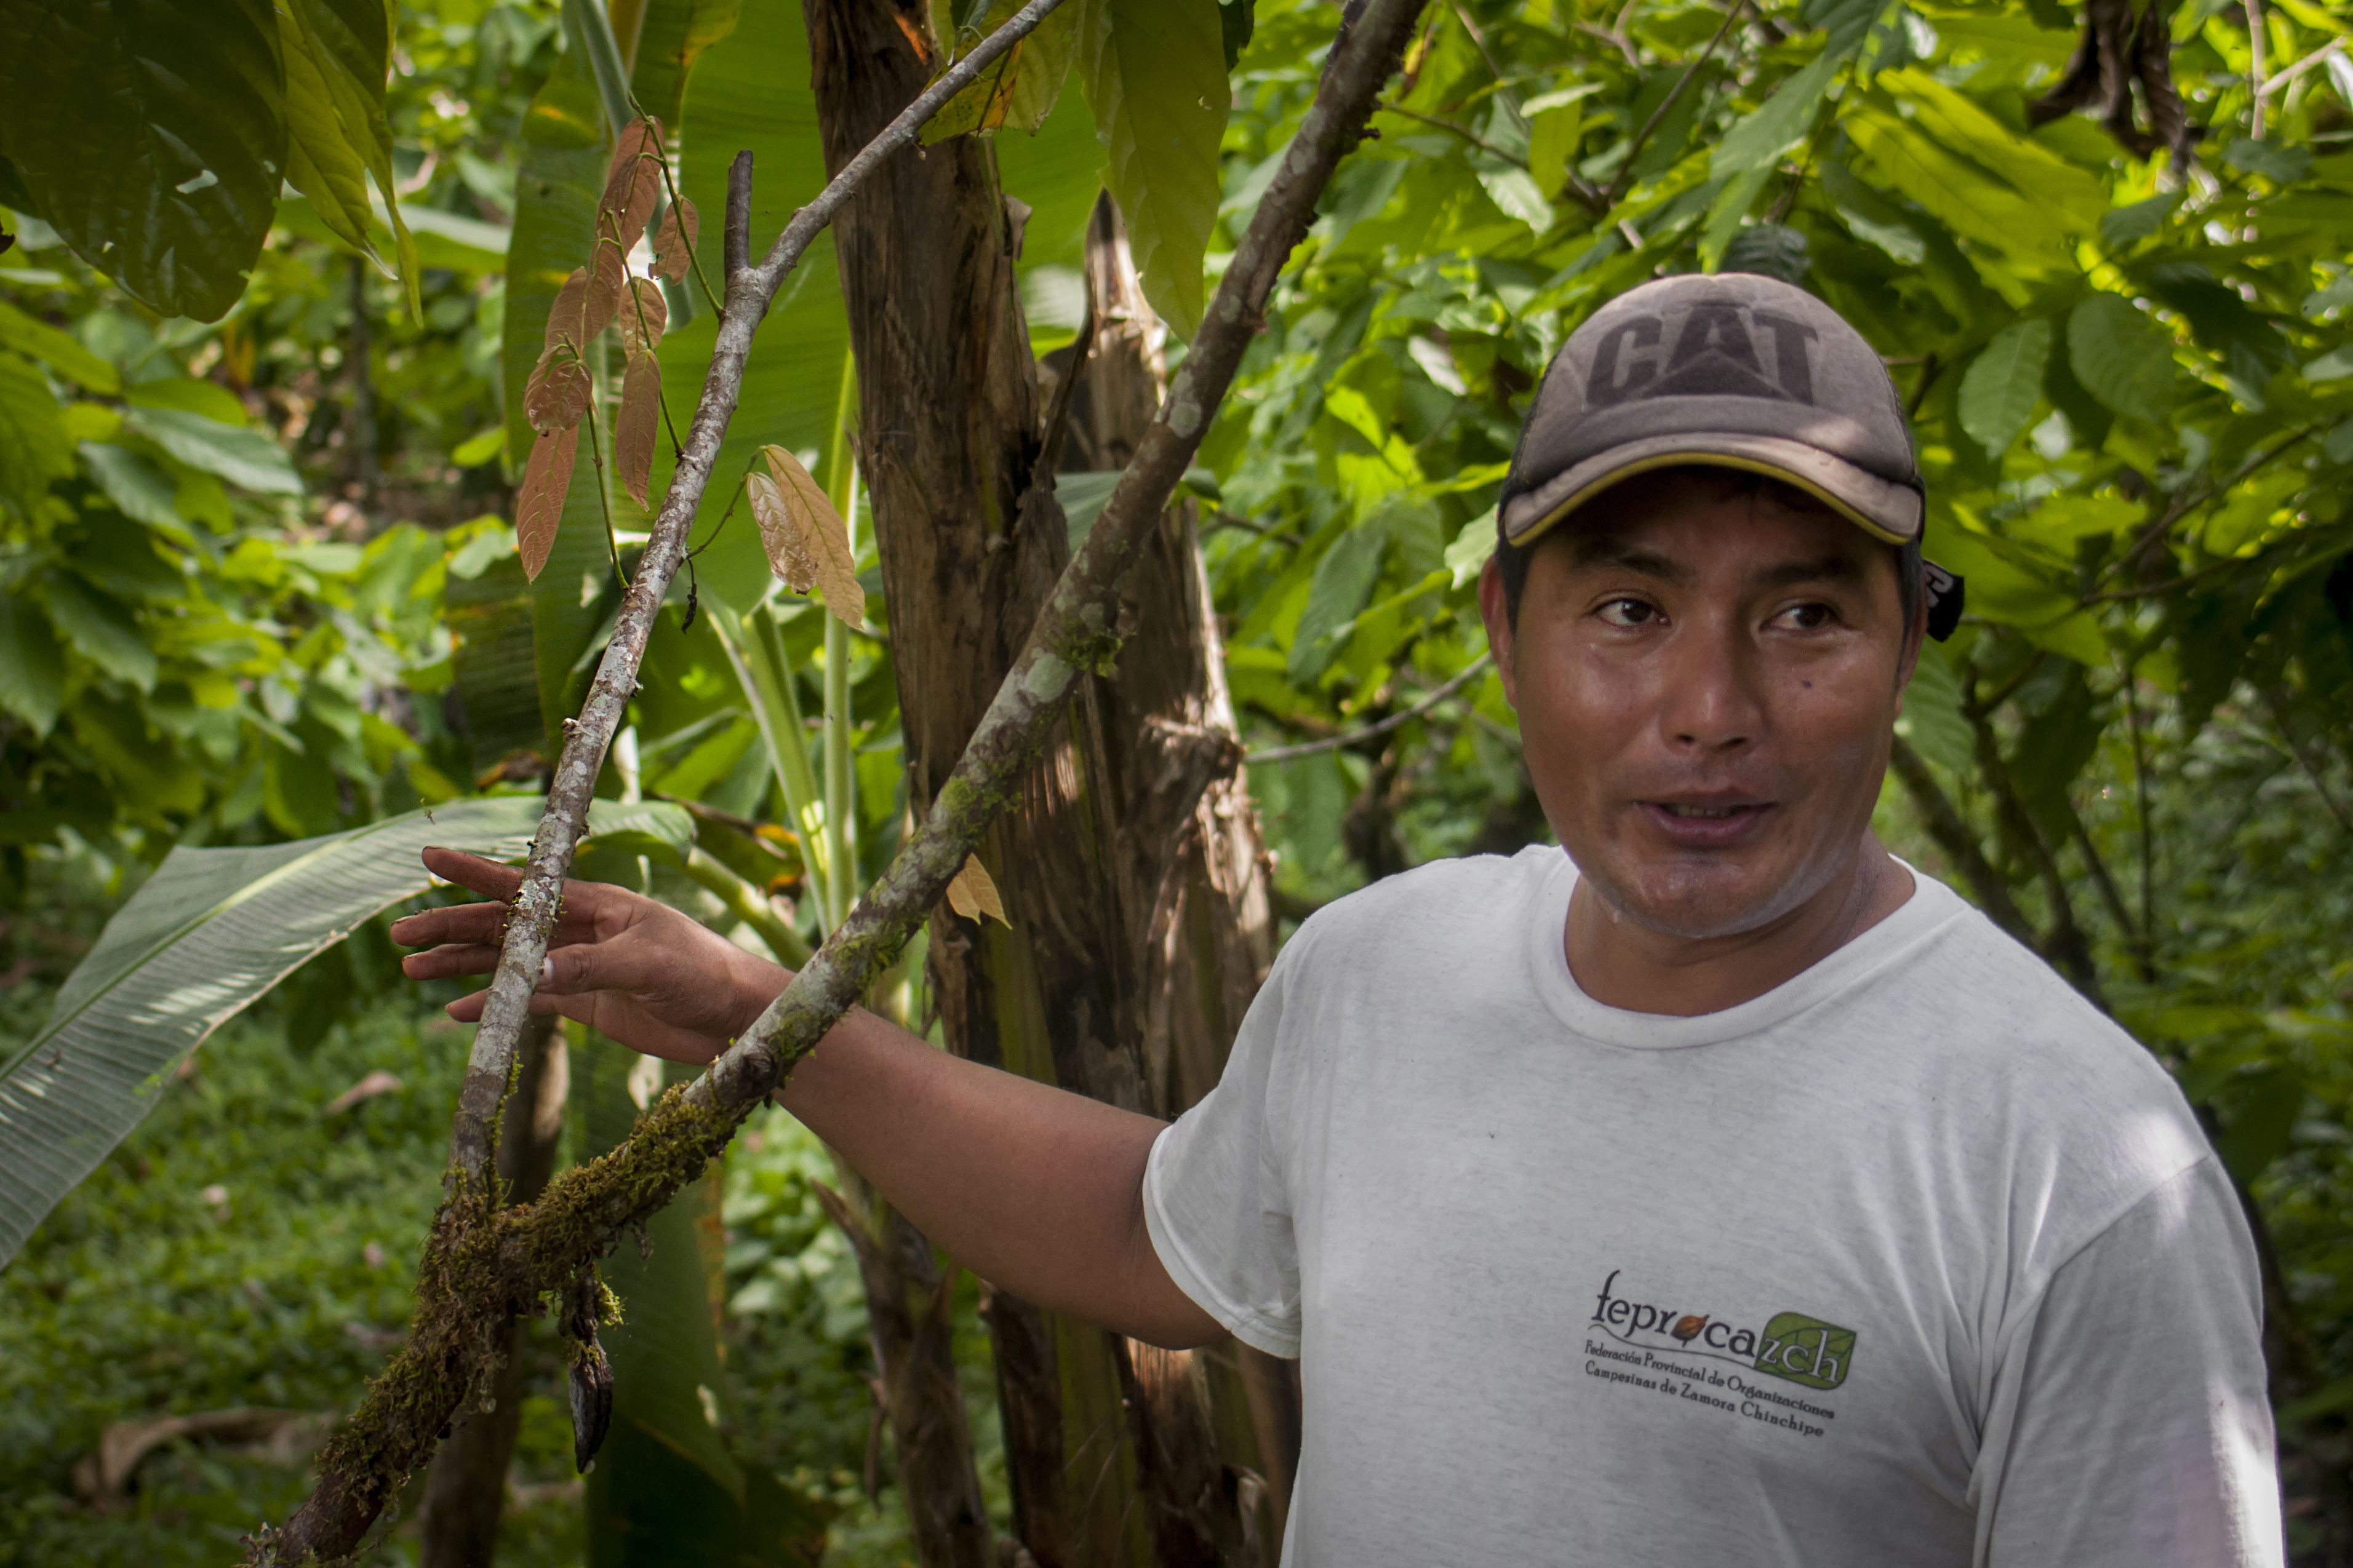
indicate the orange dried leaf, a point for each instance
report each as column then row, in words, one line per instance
column 674, row 241
column 822, row 537
column 631, row 184
column 557, row 395
column 973, row 895
column 639, row 423
column 644, row 316
column 565, row 318
column 539, row 507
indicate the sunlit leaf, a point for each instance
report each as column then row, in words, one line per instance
column 974, row 896
column 808, row 543
column 2002, row 384
column 1155, row 73
column 2121, row 357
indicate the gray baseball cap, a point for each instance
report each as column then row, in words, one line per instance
column 1736, row 371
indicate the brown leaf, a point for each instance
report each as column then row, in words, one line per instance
column 539, row 505
column 819, row 542
column 639, row 423
column 973, row 895
column 557, row 395
column 645, row 318
column 608, row 275
column 631, row 184
column 566, row 319
column 675, row 248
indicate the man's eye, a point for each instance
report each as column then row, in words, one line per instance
column 1808, row 618
column 1628, row 612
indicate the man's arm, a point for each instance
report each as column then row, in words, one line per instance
column 1036, row 1190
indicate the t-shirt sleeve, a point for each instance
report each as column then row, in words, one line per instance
column 2129, row 1425
column 1215, row 1202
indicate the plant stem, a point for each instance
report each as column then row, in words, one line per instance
column 841, row 782
column 1477, row 667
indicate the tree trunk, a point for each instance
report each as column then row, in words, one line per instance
column 1132, row 870
column 465, row 1487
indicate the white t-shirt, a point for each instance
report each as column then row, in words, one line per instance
column 1915, row 1260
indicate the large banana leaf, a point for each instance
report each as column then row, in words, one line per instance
column 209, row 932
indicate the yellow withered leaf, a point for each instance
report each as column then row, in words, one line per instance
column 639, row 424
column 973, row 895
column 539, row 505
column 808, row 542
column 674, row 241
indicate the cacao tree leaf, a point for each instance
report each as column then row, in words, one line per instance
column 567, row 318
column 1965, row 198
column 1786, row 117
column 559, row 175
column 1337, row 591
column 250, row 460
column 643, row 316
column 981, row 104
column 151, row 135
column 557, row 394
column 2121, row 357
column 972, row 895
column 34, row 447
column 808, row 543
column 670, row 40
column 1932, row 717
column 674, row 241
column 337, row 54
column 632, row 182
column 539, row 505
column 102, row 629
column 55, row 349
column 638, row 424
column 32, row 665
column 199, row 942
column 1154, row 71
column 2003, row 384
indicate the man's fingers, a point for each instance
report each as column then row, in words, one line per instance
column 458, row 922
column 489, row 878
column 455, row 957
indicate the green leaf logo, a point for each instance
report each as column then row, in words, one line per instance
column 1805, row 1349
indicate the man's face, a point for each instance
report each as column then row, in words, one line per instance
column 1706, row 681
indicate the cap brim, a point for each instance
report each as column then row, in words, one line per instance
column 1882, row 508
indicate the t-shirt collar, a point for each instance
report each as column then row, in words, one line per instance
column 1931, row 905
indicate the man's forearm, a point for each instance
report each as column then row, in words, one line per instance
column 1036, row 1190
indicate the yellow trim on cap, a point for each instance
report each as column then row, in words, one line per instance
column 1712, row 460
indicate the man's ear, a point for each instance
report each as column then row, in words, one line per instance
column 1493, row 608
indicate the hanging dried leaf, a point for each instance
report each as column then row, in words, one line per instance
column 557, row 395
column 645, row 317
column 788, row 557
column 638, row 424
column 803, row 512
column 631, row 184
column 674, row 241
column 973, row 895
column 539, row 505
column 565, row 320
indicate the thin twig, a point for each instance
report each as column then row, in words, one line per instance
column 1666, row 105
column 2191, row 500
column 1454, row 127
column 1334, row 742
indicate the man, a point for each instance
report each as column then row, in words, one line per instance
column 1721, row 1191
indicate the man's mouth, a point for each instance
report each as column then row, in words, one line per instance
column 1705, row 813
column 1706, row 824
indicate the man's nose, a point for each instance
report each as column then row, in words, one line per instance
column 1710, row 700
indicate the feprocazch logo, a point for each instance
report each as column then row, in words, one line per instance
column 1805, row 1349
column 1791, row 1346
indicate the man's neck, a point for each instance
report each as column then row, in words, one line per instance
column 1621, row 964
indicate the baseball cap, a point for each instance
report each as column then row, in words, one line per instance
column 1734, row 370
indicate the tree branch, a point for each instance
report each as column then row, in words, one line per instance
column 1471, row 671
column 482, row 1263
column 1944, row 825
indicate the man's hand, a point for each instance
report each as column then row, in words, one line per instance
column 632, row 969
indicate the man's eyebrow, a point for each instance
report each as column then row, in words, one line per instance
column 1615, row 553
column 1837, row 567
